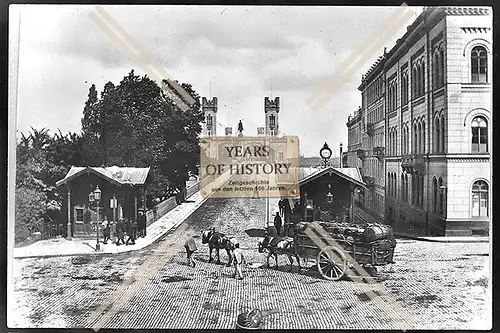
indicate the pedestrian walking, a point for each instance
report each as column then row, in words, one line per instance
column 239, row 260
column 281, row 205
column 105, row 231
column 141, row 224
column 277, row 223
column 191, row 248
column 131, row 231
column 120, row 232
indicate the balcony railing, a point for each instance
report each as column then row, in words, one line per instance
column 413, row 163
column 370, row 130
column 361, row 153
column 370, row 181
column 378, row 152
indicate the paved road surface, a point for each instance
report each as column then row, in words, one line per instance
column 441, row 285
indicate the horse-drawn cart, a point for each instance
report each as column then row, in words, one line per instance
column 341, row 245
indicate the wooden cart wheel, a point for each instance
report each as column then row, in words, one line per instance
column 332, row 263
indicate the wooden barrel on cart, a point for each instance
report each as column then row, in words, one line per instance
column 377, row 231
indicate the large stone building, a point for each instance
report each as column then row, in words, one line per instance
column 423, row 134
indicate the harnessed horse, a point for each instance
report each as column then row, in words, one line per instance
column 279, row 246
column 218, row 241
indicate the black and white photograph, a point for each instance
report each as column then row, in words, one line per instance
column 249, row 167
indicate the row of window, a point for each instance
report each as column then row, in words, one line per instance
column 418, row 79
column 392, row 95
column 374, row 168
column 393, row 136
column 374, row 90
column 406, row 140
column 438, row 67
column 419, row 137
column 417, row 190
column 374, row 202
column 479, row 131
column 375, row 115
column 438, row 134
column 479, row 73
column 479, row 194
column 354, row 135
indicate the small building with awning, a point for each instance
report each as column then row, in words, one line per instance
column 122, row 195
column 326, row 194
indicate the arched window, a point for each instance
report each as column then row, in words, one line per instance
column 423, row 137
column 402, row 185
column 479, row 198
column 436, row 135
column 441, row 196
column 417, row 189
column 395, row 95
column 436, row 72
column 413, row 189
column 414, row 150
column 479, row 134
column 479, row 64
column 406, row 187
column 396, row 141
column 389, row 184
column 407, row 148
column 422, row 191
column 434, row 194
column 419, row 142
column 441, row 149
column 404, row 88
column 414, row 82
column 417, row 87
column 272, row 121
column 403, row 134
column 422, row 78
column 441, row 59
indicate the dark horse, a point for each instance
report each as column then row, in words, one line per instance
column 218, row 241
column 278, row 246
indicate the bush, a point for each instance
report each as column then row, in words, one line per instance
column 30, row 211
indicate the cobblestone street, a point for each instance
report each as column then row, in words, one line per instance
column 442, row 285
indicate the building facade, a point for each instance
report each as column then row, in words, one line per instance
column 123, row 195
column 435, row 157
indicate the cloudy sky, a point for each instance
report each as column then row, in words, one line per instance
column 240, row 51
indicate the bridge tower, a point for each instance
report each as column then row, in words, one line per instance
column 209, row 108
column 271, row 109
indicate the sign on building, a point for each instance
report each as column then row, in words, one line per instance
column 249, row 167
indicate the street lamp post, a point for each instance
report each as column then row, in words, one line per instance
column 341, row 155
column 443, row 203
column 96, row 197
column 325, row 154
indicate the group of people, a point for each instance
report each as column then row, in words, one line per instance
column 128, row 227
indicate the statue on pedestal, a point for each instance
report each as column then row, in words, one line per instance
column 240, row 128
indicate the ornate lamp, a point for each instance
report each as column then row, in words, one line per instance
column 329, row 196
column 95, row 196
column 325, row 154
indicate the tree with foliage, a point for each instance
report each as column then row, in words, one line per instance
column 30, row 212
column 42, row 159
column 134, row 123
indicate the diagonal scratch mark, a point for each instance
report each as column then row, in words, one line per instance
column 138, row 57
column 363, row 51
column 370, row 287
